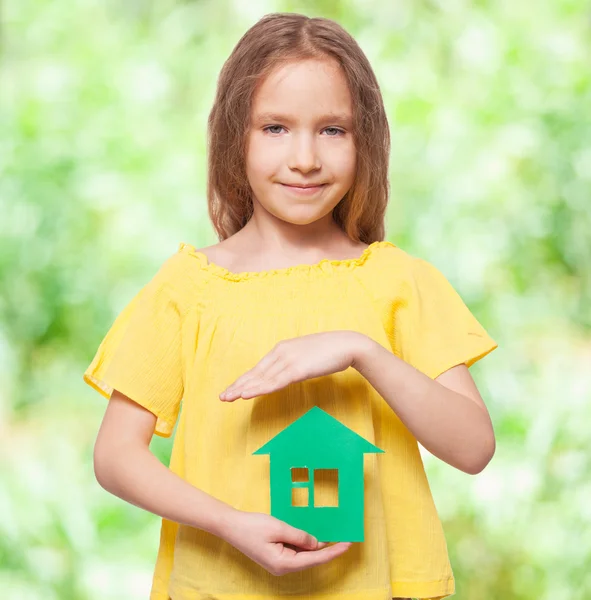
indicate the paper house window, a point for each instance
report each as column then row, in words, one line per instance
column 300, row 492
column 299, row 475
column 326, row 487
column 322, row 490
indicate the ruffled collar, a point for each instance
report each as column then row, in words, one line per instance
column 326, row 265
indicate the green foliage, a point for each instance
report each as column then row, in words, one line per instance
column 102, row 155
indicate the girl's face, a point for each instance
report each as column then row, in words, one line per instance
column 301, row 135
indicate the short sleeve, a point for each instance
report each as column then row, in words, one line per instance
column 433, row 330
column 141, row 354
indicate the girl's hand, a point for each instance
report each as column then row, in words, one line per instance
column 277, row 546
column 298, row 359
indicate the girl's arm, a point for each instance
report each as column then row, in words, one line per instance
column 453, row 424
column 125, row 466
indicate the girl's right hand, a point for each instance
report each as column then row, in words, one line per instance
column 277, row 546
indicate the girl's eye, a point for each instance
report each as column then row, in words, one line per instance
column 271, row 127
column 335, row 129
column 339, row 131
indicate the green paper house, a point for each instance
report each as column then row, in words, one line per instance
column 311, row 449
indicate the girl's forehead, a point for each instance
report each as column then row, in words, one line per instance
column 303, row 71
column 317, row 86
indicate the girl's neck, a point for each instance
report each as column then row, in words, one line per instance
column 241, row 253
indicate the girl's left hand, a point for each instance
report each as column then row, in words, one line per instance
column 298, row 359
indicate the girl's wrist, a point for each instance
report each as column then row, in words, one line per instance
column 225, row 522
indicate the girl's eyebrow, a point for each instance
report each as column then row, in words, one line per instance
column 341, row 118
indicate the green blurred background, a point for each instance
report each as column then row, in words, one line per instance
column 103, row 169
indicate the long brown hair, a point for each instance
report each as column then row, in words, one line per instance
column 276, row 39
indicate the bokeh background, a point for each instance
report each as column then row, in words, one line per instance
column 103, row 168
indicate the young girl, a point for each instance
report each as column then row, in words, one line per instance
column 301, row 304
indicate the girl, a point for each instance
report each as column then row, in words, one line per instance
column 301, row 304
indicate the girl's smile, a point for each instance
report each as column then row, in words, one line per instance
column 301, row 191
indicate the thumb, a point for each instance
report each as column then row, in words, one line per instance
column 299, row 537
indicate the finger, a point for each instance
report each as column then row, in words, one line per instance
column 261, row 367
column 264, row 387
column 319, row 546
column 277, row 377
column 296, row 537
column 305, row 560
column 257, row 371
column 261, row 376
column 254, row 387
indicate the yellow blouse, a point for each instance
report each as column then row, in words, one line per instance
column 196, row 327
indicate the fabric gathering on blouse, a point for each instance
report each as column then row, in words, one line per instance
column 196, row 327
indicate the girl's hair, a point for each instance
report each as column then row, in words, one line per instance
column 275, row 40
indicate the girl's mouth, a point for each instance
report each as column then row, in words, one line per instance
column 307, row 191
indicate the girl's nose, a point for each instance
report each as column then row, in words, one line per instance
column 304, row 155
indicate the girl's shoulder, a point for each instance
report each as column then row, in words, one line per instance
column 404, row 263
column 217, row 259
column 178, row 275
column 395, row 272
column 219, row 254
